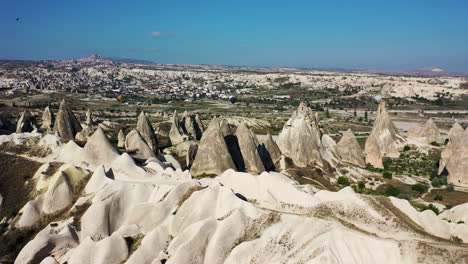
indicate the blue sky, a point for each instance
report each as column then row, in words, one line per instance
column 391, row 35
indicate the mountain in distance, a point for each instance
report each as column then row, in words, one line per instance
column 423, row 72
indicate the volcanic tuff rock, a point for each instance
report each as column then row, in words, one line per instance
column 26, row 123
column 248, row 144
column 328, row 150
column 121, row 139
column 300, row 138
column 349, row 150
column 454, row 157
column 429, row 132
column 273, row 149
column 66, row 123
column 384, row 139
column 270, row 153
column 48, row 119
column 176, row 134
column 135, row 142
column 89, row 118
column 146, row 130
column 213, row 156
column 199, row 126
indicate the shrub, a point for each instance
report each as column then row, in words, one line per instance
column 361, row 185
column 438, row 197
column 437, row 182
column 421, row 188
column 450, row 188
column 433, row 208
column 406, row 148
column 387, row 175
column 392, row 191
column 433, row 143
column 343, row 181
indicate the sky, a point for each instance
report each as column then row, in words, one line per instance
column 366, row 34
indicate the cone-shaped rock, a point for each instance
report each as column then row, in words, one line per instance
column 429, row 132
column 199, row 127
column 454, row 157
column 213, row 156
column 121, row 139
column 384, row 139
column 146, row 130
column 300, row 139
column 188, row 124
column 26, row 123
column 456, row 133
column 273, row 149
column 248, row 144
column 135, row 142
column 99, row 149
column 89, row 118
column 329, row 151
column 174, row 134
column 47, row 119
column 66, row 123
column 349, row 150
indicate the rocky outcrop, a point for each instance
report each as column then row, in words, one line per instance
column 384, row 139
column 328, row 151
column 427, row 133
column 454, row 157
column 191, row 154
column 66, row 123
column 199, row 127
column 98, row 147
column 270, row 153
column 48, row 119
column 146, row 130
column 176, row 133
column 213, row 156
column 89, row 118
column 300, row 138
column 121, row 139
column 134, row 142
column 350, row 151
column 26, row 123
column 248, row 145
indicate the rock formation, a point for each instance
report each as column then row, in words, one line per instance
column 454, row 157
column 350, row 151
column 384, row 139
column 199, row 127
column 99, row 148
column 328, row 151
column 428, row 133
column 89, row 118
column 26, row 123
column 300, row 138
column 66, row 123
column 48, row 119
column 121, row 139
column 147, row 132
column 176, row 134
column 213, row 155
column 270, row 153
column 248, row 144
column 134, row 142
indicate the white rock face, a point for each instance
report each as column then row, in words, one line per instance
column 384, row 139
column 135, row 142
column 329, row 151
column 121, row 139
column 147, row 132
column 454, row 157
column 300, row 138
column 26, row 123
column 213, row 156
column 349, row 150
column 48, row 119
column 66, row 123
column 248, row 145
column 427, row 133
column 109, row 250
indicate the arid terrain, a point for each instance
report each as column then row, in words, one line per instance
column 103, row 161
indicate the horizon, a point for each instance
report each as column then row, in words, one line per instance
column 358, row 35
